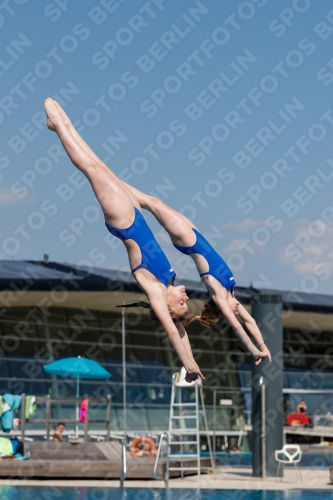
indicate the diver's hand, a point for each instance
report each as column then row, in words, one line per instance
column 265, row 351
column 262, row 353
column 192, row 374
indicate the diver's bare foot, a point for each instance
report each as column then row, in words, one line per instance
column 52, row 113
column 63, row 115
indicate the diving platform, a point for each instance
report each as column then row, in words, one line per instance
column 89, row 460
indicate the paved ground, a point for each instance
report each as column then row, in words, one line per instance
column 235, row 478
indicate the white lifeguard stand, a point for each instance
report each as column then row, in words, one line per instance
column 184, row 440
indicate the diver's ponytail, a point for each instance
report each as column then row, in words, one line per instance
column 209, row 317
column 195, row 317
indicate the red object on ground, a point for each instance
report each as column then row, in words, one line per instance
column 298, row 419
column 84, row 409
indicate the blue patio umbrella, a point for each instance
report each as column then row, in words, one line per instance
column 77, row 368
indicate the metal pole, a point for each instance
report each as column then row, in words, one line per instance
column 162, row 436
column 214, row 423
column 77, row 403
column 263, row 426
column 206, row 428
column 198, row 429
column 23, row 403
column 108, row 418
column 267, row 312
column 48, row 416
column 123, row 465
column 167, row 464
column 123, row 334
column 124, row 366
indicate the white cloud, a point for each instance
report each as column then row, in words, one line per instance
column 7, row 198
column 245, row 245
column 243, row 226
column 309, row 249
column 234, row 246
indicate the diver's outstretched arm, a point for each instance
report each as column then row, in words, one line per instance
column 186, row 343
column 230, row 317
column 252, row 326
column 185, row 355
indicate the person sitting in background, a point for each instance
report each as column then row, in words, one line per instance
column 301, row 407
column 144, row 450
column 299, row 418
column 235, row 449
column 57, row 435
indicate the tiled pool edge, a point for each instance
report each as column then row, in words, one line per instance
column 235, row 479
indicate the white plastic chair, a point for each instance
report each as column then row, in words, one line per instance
column 290, row 454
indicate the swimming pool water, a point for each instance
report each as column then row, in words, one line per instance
column 82, row 493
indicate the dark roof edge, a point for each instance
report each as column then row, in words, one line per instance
column 104, row 280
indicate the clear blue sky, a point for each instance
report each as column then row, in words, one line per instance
column 225, row 104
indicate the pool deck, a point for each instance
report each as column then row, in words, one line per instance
column 224, row 479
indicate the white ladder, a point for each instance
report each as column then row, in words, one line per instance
column 180, row 413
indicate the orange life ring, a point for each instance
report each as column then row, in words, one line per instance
column 134, row 449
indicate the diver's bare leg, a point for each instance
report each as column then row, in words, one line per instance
column 117, row 206
column 88, row 149
column 177, row 225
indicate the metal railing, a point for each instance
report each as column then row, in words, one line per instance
column 158, row 453
column 48, row 420
column 123, row 464
column 263, row 426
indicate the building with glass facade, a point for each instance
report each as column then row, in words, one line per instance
column 49, row 311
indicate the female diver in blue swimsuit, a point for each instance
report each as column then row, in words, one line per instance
column 213, row 271
column 121, row 209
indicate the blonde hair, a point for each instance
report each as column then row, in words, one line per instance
column 145, row 305
column 210, row 316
